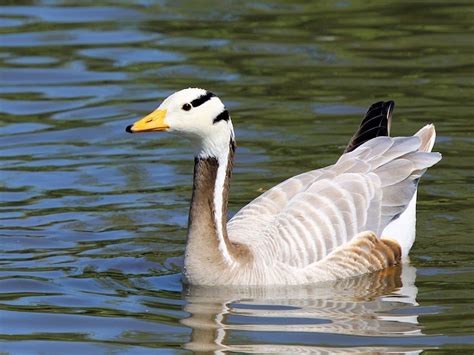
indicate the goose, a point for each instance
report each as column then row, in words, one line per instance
column 354, row 217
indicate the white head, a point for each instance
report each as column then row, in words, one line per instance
column 195, row 114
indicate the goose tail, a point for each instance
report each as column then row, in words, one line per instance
column 427, row 136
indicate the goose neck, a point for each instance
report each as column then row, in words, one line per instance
column 207, row 231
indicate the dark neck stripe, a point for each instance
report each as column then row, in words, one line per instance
column 211, row 161
column 223, row 116
column 202, row 99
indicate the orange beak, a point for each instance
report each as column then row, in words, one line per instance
column 153, row 122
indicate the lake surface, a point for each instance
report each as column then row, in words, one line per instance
column 93, row 220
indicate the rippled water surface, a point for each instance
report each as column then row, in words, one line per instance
column 93, row 220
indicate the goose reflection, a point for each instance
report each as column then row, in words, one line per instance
column 372, row 305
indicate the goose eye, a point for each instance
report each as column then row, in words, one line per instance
column 187, row 107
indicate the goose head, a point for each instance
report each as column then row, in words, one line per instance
column 195, row 114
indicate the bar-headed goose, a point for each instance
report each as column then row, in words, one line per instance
column 350, row 218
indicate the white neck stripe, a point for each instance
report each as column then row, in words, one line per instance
column 223, row 161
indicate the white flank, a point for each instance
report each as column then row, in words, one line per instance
column 403, row 229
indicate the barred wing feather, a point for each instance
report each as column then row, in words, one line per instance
column 303, row 219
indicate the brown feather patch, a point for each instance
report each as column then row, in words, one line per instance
column 365, row 253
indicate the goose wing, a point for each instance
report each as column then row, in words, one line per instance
column 303, row 219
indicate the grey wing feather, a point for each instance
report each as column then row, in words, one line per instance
column 303, row 219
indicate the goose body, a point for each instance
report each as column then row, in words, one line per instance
column 353, row 217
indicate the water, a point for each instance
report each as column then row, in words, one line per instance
column 93, row 220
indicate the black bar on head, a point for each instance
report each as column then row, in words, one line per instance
column 223, row 116
column 202, row 99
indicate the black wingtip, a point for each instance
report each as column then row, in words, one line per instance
column 129, row 129
column 377, row 122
